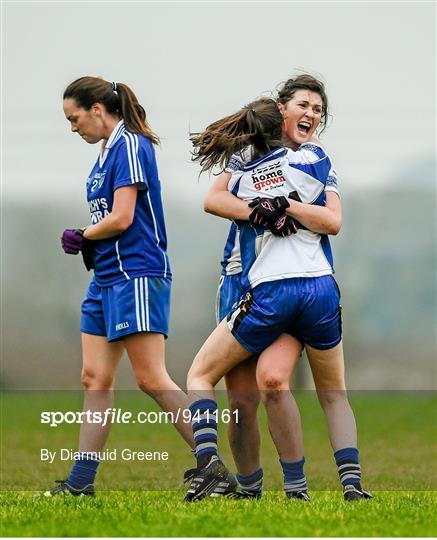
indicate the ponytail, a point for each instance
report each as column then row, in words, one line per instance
column 117, row 98
column 133, row 113
column 258, row 124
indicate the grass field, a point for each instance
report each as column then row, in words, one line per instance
column 164, row 514
column 398, row 444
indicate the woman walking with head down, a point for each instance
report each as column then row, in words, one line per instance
column 127, row 303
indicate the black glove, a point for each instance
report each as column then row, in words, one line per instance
column 87, row 250
column 283, row 226
column 267, row 211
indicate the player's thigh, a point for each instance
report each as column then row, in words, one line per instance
column 327, row 367
column 242, row 376
column 277, row 362
column 100, row 359
column 217, row 356
column 146, row 351
column 241, row 385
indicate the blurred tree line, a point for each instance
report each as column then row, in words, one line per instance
column 385, row 265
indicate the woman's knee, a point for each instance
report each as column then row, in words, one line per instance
column 270, row 380
column 91, row 380
column 154, row 380
column 271, row 386
column 244, row 406
column 198, row 377
column 152, row 387
column 332, row 398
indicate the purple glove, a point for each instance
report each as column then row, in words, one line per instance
column 72, row 241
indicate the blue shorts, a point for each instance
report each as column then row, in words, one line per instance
column 138, row 305
column 307, row 308
column 228, row 294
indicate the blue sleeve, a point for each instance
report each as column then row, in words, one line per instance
column 131, row 163
column 311, row 160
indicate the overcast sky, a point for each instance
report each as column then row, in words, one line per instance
column 191, row 63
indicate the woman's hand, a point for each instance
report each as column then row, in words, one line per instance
column 119, row 219
column 72, row 241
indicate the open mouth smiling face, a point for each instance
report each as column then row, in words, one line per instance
column 304, row 127
column 302, row 115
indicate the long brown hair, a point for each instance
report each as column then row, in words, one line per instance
column 305, row 82
column 258, row 124
column 117, row 98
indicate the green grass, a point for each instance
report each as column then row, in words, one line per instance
column 164, row 514
column 398, row 436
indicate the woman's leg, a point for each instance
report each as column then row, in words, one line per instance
column 146, row 351
column 243, row 430
column 100, row 360
column 275, row 366
column 218, row 355
column 327, row 367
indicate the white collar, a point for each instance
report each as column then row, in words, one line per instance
column 116, row 133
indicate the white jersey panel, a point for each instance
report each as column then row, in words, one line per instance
column 283, row 171
column 233, row 263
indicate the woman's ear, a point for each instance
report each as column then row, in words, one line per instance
column 97, row 109
column 281, row 108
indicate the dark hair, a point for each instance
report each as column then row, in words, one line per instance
column 305, row 82
column 117, row 98
column 258, row 124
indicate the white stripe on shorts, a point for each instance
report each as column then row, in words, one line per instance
column 137, row 306
column 146, row 292
column 232, row 319
column 217, row 300
column 143, row 318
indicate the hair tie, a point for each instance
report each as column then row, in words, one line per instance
column 114, row 87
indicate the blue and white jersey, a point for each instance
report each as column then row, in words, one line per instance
column 307, row 171
column 239, row 159
column 231, row 263
column 128, row 159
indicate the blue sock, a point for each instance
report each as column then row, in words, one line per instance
column 204, row 424
column 83, row 472
column 294, row 477
column 348, row 465
column 252, row 484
